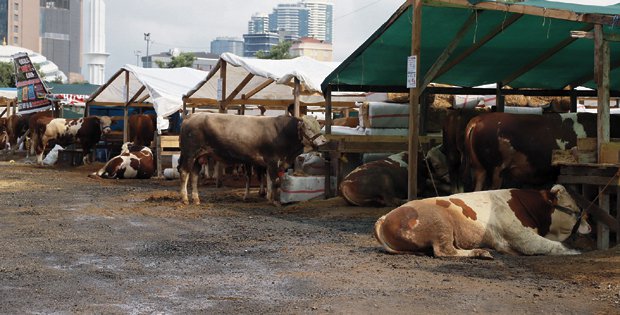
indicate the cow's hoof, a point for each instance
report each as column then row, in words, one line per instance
column 93, row 175
column 481, row 254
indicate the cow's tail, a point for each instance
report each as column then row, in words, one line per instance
column 380, row 236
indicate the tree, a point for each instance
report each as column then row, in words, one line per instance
column 184, row 59
column 279, row 51
column 7, row 76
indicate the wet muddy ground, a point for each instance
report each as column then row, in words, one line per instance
column 73, row 244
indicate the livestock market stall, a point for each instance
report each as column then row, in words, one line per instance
column 134, row 88
column 236, row 83
column 536, row 47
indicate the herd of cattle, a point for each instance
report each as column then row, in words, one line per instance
column 478, row 152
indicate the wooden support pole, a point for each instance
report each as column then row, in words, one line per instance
column 223, row 87
column 573, row 101
column 601, row 71
column 499, row 98
column 328, row 130
column 126, row 109
column 414, row 99
column 296, row 92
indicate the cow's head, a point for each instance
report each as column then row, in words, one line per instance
column 567, row 214
column 310, row 132
column 105, row 124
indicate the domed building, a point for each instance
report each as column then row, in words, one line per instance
column 47, row 69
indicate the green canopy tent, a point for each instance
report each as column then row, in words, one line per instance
column 531, row 44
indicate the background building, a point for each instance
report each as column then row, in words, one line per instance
column 290, row 21
column 227, row 44
column 52, row 28
column 204, row 61
column 96, row 56
column 255, row 42
column 47, row 69
column 313, row 48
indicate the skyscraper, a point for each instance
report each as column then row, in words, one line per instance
column 320, row 19
column 227, row 44
column 61, row 34
column 259, row 23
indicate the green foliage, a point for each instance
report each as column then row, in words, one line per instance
column 185, row 59
column 279, row 51
column 7, row 76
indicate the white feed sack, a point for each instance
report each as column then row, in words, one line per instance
column 302, row 188
column 52, row 157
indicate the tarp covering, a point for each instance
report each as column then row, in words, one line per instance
column 523, row 45
column 310, row 73
column 163, row 88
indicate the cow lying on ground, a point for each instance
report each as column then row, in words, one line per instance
column 511, row 221
column 87, row 131
column 385, row 182
column 516, row 150
column 262, row 141
column 135, row 161
column 142, row 129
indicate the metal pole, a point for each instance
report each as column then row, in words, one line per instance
column 147, row 38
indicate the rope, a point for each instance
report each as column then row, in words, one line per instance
column 428, row 168
column 601, row 190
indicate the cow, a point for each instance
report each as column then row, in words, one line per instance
column 134, row 161
column 32, row 127
column 511, row 221
column 17, row 128
column 264, row 141
column 142, row 129
column 87, row 131
column 453, row 138
column 514, row 151
column 384, row 182
column 4, row 136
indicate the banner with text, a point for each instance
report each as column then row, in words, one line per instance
column 31, row 92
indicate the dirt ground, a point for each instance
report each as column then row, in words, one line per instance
column 73, row 244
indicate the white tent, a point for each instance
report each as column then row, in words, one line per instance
column 135, row 86
column 263, row 82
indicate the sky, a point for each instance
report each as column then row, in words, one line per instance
column 191, row 25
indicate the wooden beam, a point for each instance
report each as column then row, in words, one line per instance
column 513, row 7
column 133, row 98
column 126, row 109
column 544, row 56
column 223, row 86
column 490, row 35
column 257, row 89
column 105, row 85
column 296, row 101
column 239, row 87
column 610, row 37
column 414, row 100
column 447, row 52
column 203, row 82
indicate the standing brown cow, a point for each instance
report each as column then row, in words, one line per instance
column 142, row 129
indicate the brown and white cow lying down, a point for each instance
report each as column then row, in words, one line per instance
column 384, row 182
column 135, row 161
column 512, row 221
column 509, row 150
column 87, row 131
column 261, row 141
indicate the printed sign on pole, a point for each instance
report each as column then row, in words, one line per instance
column 31, row 92
column 411, row 72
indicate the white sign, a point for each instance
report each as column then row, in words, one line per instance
column 411, row 71
column 219, row 89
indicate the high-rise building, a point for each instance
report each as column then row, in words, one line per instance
column 291, row 18
column 258, row 24
column 255, row 42
column 61, row 34
column 320, row 19
column 52, row 28
column 227, row 44
column 21, row 20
